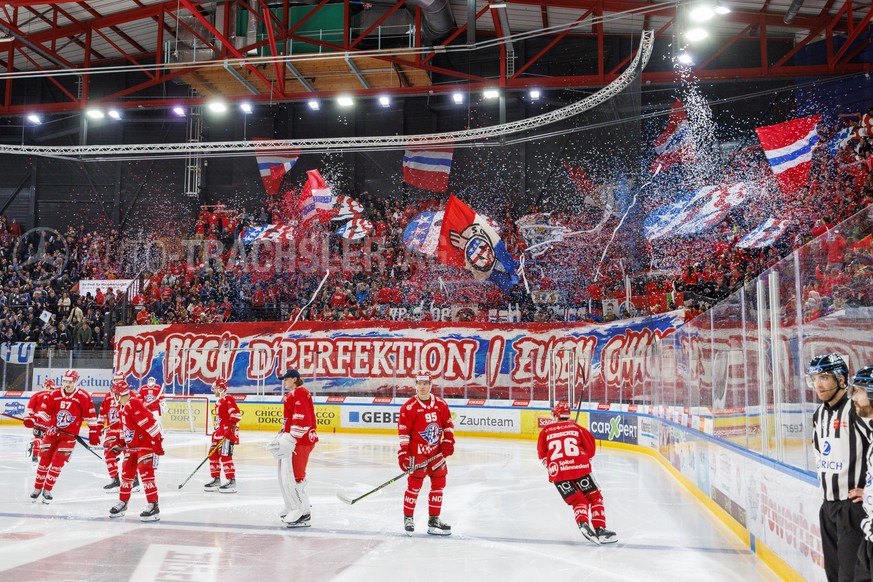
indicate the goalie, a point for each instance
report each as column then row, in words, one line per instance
column 292, row 448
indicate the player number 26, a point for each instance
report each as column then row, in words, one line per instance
column 560, row 447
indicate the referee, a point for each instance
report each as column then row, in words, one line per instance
column 840, row 441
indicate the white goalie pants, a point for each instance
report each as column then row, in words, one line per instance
column 295, row 496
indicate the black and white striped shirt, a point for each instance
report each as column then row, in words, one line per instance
column 840, row 440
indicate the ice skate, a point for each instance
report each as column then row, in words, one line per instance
column 436, row 527
column 47, row 497
column 118, row 510
column 213, row 485
column 229, row 487
column 35, row 495
column 151, row 513
column 589, row 533
column 113, row 486
column 409, row 524
column 302, row 522
column 605, row 536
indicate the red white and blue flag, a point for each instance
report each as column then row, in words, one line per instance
column 273, row 166
column 346, row 207
column 675, row 144
column 429, row 168
column 765, row 235
column 698, row 211
column 355, row 229
column 275, row 232
column 788, row 147
column 316, row 199
column 422, row 234
column 468, row 241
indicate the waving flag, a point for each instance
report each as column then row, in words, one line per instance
column 765, row 235
column 276, row 232
column 422, row 234
column 467, row 241
column 675, row 144
column 841, row 138
column 788, row 147
column 538, row 232
column 355, row 229
column 696, row 212
column 346, row 207
column 316, row 199
column 428, row 169
column 580, row 179
column 273, row 166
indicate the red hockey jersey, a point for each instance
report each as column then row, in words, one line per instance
column 67, row 411
column 36, row 401
column 299, row 413
column 139, row 427
column 565, row 448
column 153, row 396
column 227, row 416
column 110, row 415
column 424, row 425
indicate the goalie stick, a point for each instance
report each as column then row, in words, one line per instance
column 345, row 498
column 79, row 439
column 203, row 462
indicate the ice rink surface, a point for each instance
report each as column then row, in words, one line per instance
column 508, row 523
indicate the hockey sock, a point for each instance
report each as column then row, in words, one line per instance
column 598, row 515
column 227, row 465
column 150, row 489
column 413, row 487
column 437, row 484
column 214, row 467
column 124, row 490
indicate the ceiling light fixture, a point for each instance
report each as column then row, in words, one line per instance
column 115, row 114
column 314, row 104
column 534, row 94
column 721, row 9
column 490, row 93
column 345, row 101
column 217, row 107
column 498, row 4
column 696, row 34
column 384, row 101
column 179, row 110
column 685, row 59
column 458, row 98
column 246, row 107
column 95, row 114
column 701, row 13
column 34, row 119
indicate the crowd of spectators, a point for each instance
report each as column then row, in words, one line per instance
column 219, row 279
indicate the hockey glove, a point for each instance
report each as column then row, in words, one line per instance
column 94, row 436
column 159, row 448
column 28, row 423
column 404, row 460
column 447, row 448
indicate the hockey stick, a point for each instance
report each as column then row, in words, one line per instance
column 203, row 462
column 579, row 404
column 79, row 439
column 344, row 497
column 311, row 299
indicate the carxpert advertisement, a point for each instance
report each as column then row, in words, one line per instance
column 614, row 427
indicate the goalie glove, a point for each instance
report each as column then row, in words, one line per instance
column 282, row 446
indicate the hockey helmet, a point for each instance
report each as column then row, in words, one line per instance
column 832, row 364
column 561, row 410
column 151, row 380
column 117, row 377
column 422, row 378
column 220, row 384
column 863, row 378
column 71, row 375
column 48, row 384
column 120, row 388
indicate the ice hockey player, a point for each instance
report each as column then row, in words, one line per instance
column 225, row 436
column 153, row 396
column 113, row 444
column 566, row 449
column 292, row 448
column 144, row 445
column 32, row 406
column 64, row 409
column 426, row 430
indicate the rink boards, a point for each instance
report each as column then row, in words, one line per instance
column 772, row 507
